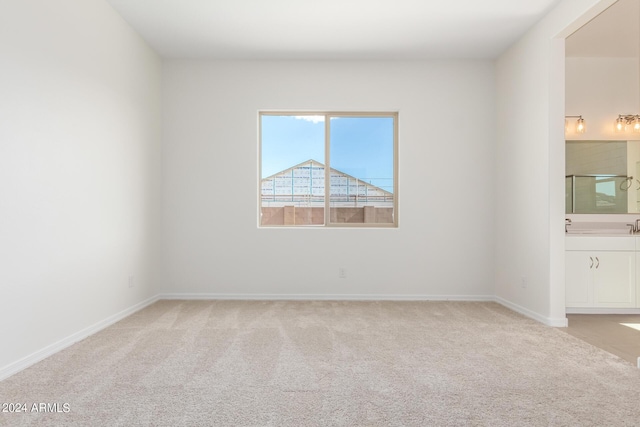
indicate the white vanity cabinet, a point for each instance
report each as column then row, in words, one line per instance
column 601, row 272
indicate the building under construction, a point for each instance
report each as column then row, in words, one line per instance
column 296, row 196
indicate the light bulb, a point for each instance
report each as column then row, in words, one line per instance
column 580, row 127
column 620, row 125
column 636, row 124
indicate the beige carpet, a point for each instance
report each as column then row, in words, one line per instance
column 277, row 363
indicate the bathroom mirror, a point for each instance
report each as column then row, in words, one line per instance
column 602, row 177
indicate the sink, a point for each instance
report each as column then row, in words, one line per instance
column 597, row 231
column 607, row 228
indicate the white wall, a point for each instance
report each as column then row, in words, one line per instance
column 444, row 244
column 79, row 171
column 599, row 89
column 530, row 173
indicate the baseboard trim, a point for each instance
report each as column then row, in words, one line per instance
column 555, row 322
column 324, row 297
column 25, row 362
column 560, row 322
column 596, row 310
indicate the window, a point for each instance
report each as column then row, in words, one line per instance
column 328, row 169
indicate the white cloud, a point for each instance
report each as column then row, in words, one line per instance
column 313, row 119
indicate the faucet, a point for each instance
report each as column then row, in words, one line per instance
column 567, row 222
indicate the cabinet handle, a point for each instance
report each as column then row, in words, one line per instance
column 591, row 266
column 598, row 264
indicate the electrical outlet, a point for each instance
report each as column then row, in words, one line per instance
column 342, row 273
column 131, row 282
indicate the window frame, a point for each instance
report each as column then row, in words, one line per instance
column 328, row 115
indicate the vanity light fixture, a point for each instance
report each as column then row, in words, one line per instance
column 580, row 125
column 627, row 122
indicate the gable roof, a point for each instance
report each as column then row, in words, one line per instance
column 309, row 165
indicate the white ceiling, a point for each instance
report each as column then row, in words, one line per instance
column 331, row 29
column 613, row 33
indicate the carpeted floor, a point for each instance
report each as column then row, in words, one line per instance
column 324, row 363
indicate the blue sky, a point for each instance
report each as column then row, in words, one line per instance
column 360, row 146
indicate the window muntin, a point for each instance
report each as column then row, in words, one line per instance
column 354, row 153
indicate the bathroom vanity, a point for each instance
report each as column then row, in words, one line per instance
column 602, row 243
column 602, row 272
